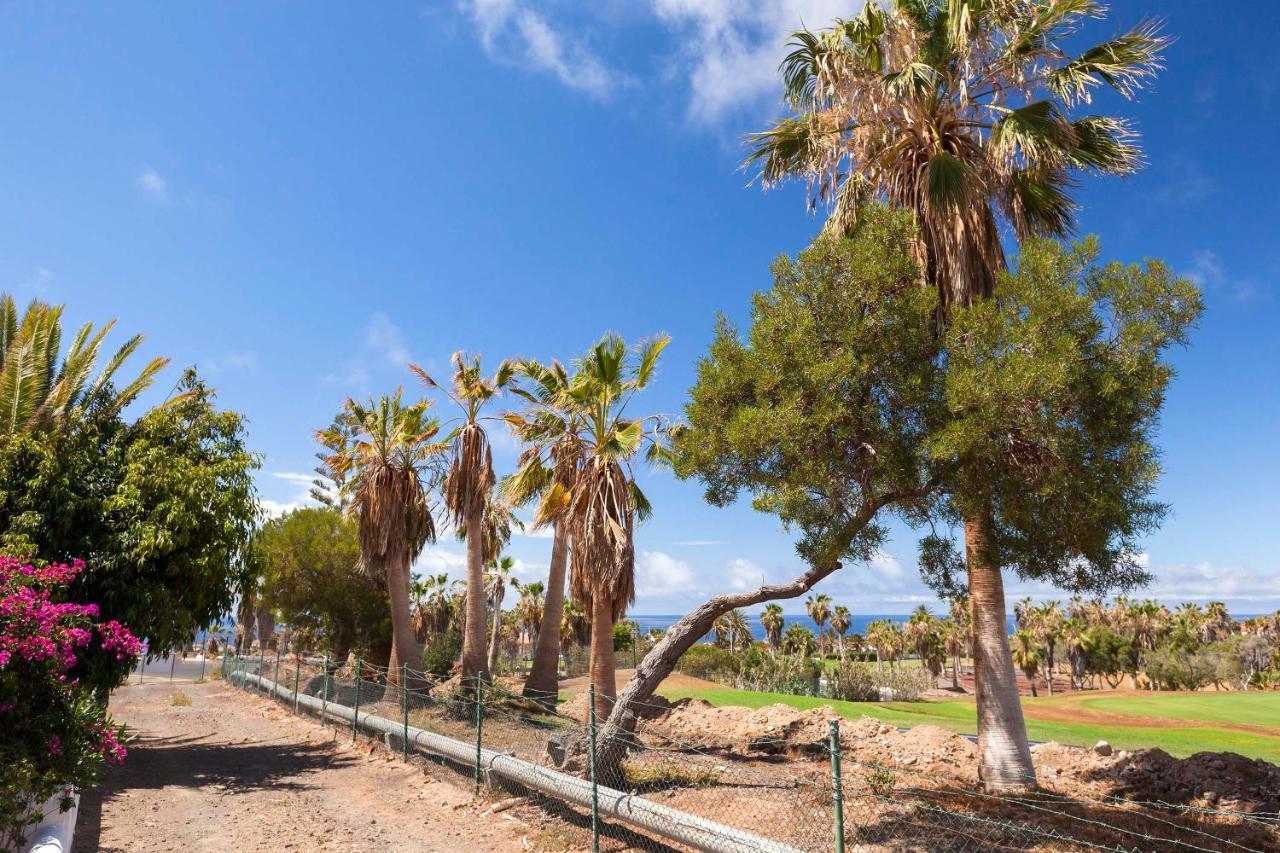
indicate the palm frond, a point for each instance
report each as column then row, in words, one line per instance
column 1124, row 63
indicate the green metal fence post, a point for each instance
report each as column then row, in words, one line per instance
column 324, row 689
column 591, row 762
column 479, row 727
column 355, row 718
column 297, row 676
column 837, row 788
column 275, row 679
column 404, row 707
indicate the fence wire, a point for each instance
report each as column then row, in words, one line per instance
column 818, row 793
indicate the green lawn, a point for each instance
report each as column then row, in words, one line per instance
column 959, row 716
column 1250, row 709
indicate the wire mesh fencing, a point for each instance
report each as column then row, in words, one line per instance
column 828, row 787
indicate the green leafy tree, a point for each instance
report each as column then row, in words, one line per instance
column 309, row 561
column 970, row 114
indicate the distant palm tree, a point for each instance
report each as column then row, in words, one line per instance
column 37, row 393
column 798, row 640
column 1026, row 655
column 498, row 575
column 575, row 626
column 819, row 609
column 468, row 492
column 771, row 620
column 385, row 465
column 739, row 630
column 961, row 111
column 529, row 610
column 1048, row 622
column 840, row 624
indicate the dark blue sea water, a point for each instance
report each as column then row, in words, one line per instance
column 858, row 626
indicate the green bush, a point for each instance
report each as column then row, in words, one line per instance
column 441, row 653
column 710, row 662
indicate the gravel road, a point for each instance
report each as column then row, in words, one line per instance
column 231, row 771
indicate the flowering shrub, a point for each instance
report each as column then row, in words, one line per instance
column 53, row 730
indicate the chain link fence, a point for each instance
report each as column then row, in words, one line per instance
column 816, row 792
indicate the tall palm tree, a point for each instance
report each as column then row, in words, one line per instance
column 38, row 393
column 841, row 620
column 553, row 454
column 468, row 492
column 962, row 112
column 771, row 620
column 605, row 502
column 498, row 575
column 385, row 466
column 819, row 610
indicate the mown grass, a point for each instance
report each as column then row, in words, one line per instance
column 959, row 716
column 1250, row 709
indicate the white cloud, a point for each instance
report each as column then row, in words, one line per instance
column 153, row 184
column 1208, row 273
column 298, row 479
column 436, row 559
column 659, row 574
column 511, row 32
column 1205, row 581
column 730, row 49
column 745, row 575
column 385, row 337
column 275, row 509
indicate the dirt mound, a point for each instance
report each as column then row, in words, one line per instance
column 771, row 729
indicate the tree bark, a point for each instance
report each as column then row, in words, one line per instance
column 602, row 666
column 495, row 633
column 1004, row 756
column 543, row 683
column 473, row 637
column 615, row 735
column 404, row 646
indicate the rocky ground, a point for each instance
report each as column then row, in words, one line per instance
column 231, row 771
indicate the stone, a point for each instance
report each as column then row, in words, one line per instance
column 1102, row 748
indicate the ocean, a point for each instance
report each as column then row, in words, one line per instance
column 859, row 622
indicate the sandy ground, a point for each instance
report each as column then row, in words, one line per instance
column 235, row 772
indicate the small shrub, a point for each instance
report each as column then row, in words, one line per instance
column 439, row 657
column 179, row 700
column 881, row 781
column 658, row 777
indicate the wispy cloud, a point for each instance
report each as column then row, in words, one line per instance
column 1207, row 271
column 153, row 184
column 511, row 31
column 384, row 337
column 660, row 575
column 730, row 49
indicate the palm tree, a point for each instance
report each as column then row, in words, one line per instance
column 530, row 610
column 961, row 111
column 498, row 575
column 385, row 467
column 923, row 632
column 819, row 609
column 553, row 455
column 721, row 630
column 1026, row 655
column 739, row 630
column 955, row 639
column 771, row 620
column 37, row 393
column 605, row 502
column 575, row 627
column 840, row 623
column 468, row 493
column 798, row 641
column 1049, row 621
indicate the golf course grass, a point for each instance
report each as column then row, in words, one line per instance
column 1218, row 711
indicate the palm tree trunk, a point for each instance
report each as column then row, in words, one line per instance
column 602, row 665
column 955, row 672
column 473, row 638
column 498, row 593
column 1003, row 752
column 543, row 683
column 404, row 647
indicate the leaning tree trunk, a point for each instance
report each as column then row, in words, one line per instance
column 1004, row 756
column 404, row 645
column 602, row 671
column 495, row 633
column 616, row 735
column 543, row 683
column 473, row 642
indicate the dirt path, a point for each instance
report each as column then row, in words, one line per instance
column 235, row 772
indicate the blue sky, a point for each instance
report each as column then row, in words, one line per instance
column 300, row 197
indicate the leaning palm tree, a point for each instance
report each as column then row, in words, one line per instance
column 468, row 493
column 605, row 501
column 553, row 452
column 386, row 468
column 498, row 575
column 771, row 620
column 964, row 113
column 37, row 393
